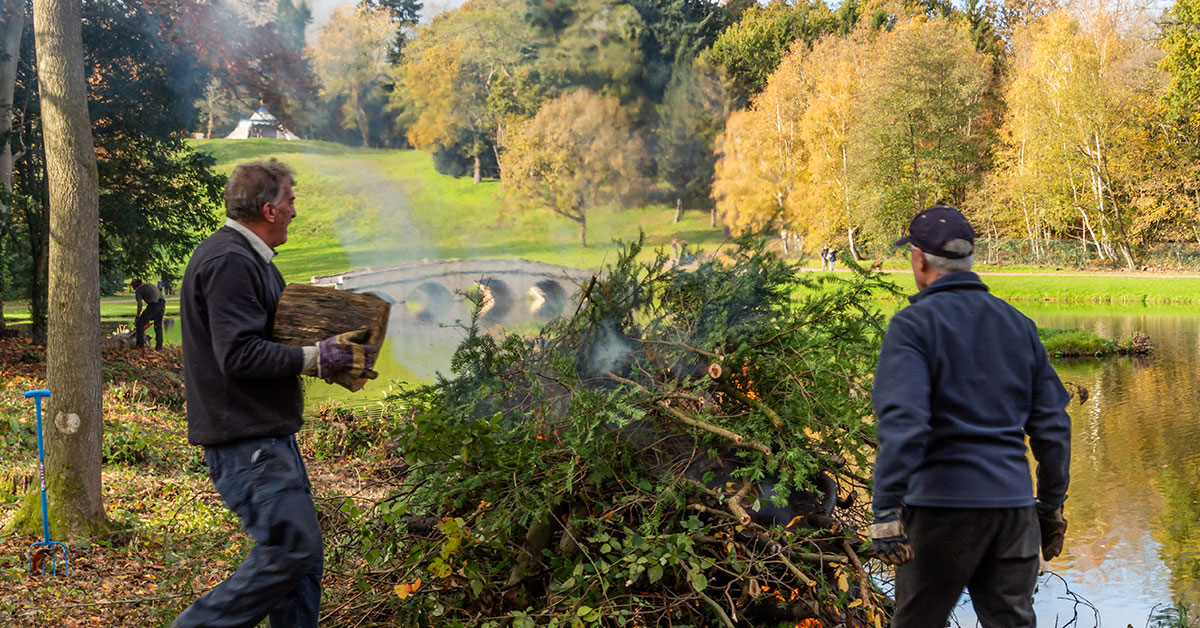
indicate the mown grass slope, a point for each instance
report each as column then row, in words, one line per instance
column 364, row 207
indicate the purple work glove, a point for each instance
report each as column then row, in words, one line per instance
column 344, row 353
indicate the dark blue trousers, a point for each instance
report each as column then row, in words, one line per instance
column 153, row 312
column 263, row 481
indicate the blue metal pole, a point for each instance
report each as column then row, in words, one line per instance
column 37, row 402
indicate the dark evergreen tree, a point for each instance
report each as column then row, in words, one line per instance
column 292, row 20
column 405, row 15
column 690, row 118
column 676, row 32
column 157, row 197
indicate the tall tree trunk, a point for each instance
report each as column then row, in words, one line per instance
column 1033, row 245
column 678, row 210
column 712, row 217
column 360, row 117
column 916, row 173
column 73, row 431
column 12, row 24
column 499, row 164
column 1117, row 214
column 478, row 168
column 853, row 247
column 582, row 220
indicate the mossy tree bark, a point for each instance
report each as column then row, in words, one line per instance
column 73, row 424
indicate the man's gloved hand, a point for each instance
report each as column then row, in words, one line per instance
column 1054, row 530
column 888, row 538
column 344, row 353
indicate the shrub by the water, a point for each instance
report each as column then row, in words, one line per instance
column 1074, row 342
column 1070, row 343
column 688, row 448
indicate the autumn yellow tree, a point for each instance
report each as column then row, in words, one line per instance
column 763, row 157
column 1072, row 127
column 922, row 109
column 578, row 153
column 458, row 78
column 351, row 59
column 830, row 201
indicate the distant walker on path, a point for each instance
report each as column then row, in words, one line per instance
column 962, row 381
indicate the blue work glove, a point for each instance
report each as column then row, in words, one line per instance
column 888, row 538
column 345, row 353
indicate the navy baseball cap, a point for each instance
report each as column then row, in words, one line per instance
column 934, row 227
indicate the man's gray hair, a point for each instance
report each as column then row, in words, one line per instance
column 946, row 265
column 253, row 185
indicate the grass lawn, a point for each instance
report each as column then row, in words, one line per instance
column 373, row 208
column 363, row 207
column 1096, row 289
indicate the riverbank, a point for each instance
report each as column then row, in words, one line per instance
column 1078, row 287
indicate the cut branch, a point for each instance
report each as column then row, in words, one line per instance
column 679, row 345
column 735, row 438
column 734, row 503
column 808, row 582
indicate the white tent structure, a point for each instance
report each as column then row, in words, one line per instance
column 261, row 124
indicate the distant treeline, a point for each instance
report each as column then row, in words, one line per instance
column 1042, row 120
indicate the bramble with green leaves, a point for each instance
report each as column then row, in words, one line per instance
column 686, row 448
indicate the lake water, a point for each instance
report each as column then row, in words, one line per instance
column 1134, row 507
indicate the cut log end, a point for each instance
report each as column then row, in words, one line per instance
column 308, row 314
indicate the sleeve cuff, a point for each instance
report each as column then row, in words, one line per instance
column 1044, row 507
column 311, row 361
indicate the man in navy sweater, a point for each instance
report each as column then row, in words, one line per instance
column 244, row 404
column 962, row 381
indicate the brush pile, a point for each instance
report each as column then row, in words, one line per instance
column 689, row 448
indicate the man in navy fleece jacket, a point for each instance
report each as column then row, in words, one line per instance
column 245, row 405
column 962, row 381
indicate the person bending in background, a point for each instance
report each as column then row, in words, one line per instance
column 156, row 305
column 962, row 381
column 244, row 404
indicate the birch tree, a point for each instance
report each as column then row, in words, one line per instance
column 1071, row 117
column 12, row 24
column 832, row 201
column 763, row 158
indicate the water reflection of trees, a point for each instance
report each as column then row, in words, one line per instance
column 1134, row 469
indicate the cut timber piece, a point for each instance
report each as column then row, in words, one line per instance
column 309, row 314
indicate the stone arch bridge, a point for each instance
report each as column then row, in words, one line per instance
column 434, row 293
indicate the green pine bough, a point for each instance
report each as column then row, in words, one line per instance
column 689, row 447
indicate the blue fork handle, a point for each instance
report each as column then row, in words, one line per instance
column 38, row 395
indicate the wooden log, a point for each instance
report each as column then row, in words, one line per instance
column 308, row 314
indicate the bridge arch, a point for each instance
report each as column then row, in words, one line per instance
column 435, row 293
